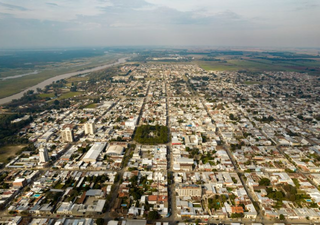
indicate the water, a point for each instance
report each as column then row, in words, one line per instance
column 59, row 77
column 20, row 75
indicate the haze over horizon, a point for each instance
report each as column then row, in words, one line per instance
column 61, row 23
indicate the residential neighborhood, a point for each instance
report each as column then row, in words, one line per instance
column 172, row 144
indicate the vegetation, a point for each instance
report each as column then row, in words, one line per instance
column 8, row 130
column 264, row 182
column 69, row 95
column 153, row 215
column 237, row 215
column 217, row 202
column 13, row 64
column 91, row 106
column 9, row 151
column 100, row 221
column 147, row 134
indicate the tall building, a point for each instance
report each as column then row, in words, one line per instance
column 89, row 128
column 67, row 135
column 43, row 155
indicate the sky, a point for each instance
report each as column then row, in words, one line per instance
column 86, row 23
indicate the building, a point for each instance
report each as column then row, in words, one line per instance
column 45, row 137
column 43, row 155
column 19, row 182
column 115, row 150
column 67, row 135
column 136, row 222
column 192, row 190
column 89, row 128
column 94, row 152
column 132, row 122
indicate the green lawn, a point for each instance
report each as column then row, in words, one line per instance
column 69, row 95
column 91, row 106
column 218, row 66
column 256, row 65
column 46, row 95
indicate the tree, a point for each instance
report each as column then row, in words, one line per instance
column 281, row 217
column 264, row 182
column 153, row 215
column 232, row 117
column 100, row 221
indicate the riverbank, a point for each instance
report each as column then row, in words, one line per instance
column 55, row 78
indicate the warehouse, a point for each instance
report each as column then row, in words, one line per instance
column 94, row 152
column 115, row 150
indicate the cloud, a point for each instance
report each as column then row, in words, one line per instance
column 52, row 4
column 68, row 10
column 13, row 7
column 164, row 22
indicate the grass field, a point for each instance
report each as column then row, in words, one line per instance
column 218, row 66
column 46, row 95
column 91, row 106
column 9, row 151
column 69, row 95
column 257, row 65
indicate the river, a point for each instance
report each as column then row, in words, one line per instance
column 58, row 77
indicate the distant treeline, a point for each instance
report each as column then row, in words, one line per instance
column 291, row 55
column 287, row 59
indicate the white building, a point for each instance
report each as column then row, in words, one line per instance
column 94, row 152
column 67, row 135
column 43, row 155
column 132, row 122
column 89, row 128
column 115, row 150
column 189, row 190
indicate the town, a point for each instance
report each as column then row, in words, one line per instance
column 171, row 144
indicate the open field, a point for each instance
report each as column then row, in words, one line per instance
column 69, row 95
column 9, row 151
column 255, row 65
column 46, row 95
column 91, row 106
column 208, row 65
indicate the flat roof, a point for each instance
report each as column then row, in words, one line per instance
column 94, row 151
column 136, row 222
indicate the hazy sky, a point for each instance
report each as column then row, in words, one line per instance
column 62, row 23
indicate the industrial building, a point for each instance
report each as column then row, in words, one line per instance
column 94, row 152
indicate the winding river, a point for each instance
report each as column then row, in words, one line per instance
column 59, row 77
